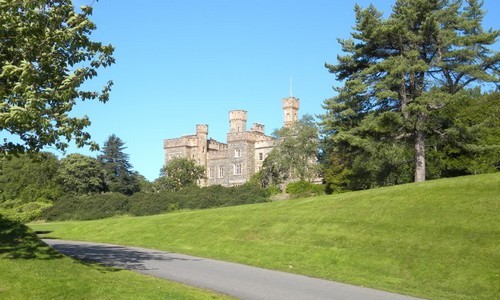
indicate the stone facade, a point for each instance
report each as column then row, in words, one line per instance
column 234, row 162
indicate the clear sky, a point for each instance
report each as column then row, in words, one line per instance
column 184, row 62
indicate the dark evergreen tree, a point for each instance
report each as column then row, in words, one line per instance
column 398, row 74
column 119, row 175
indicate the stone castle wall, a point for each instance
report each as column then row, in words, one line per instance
column 232, row 163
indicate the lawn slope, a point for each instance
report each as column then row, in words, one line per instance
column 29, row 269
column 438, row 239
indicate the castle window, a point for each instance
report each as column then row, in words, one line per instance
column 237, row 169
column 261, row 156
column 211, row 172
column 221, row 172
column 237, row 152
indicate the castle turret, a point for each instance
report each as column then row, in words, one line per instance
column 290, row 110
column 201, row 135
column 237, row 121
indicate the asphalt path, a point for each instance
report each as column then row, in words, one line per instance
column 233, row 279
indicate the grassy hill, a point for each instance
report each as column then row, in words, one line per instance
column 439, row 239
column 29, row 269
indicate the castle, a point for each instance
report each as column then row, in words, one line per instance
column 234, row 162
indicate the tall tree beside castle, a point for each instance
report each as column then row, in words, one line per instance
column 294, row 155
column 119, row 175
column 398, row 74
column 46, row 54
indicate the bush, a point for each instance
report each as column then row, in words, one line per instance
column 304, row 189
column 87, row 207
column 106, row 205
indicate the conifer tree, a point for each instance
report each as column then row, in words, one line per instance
column 119, row 175
column 397, row 74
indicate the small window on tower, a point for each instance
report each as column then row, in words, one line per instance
column 261, row 156
column 237, row 152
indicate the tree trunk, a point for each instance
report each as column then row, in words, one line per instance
column 419, row 156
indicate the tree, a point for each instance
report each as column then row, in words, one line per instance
column 468, row 140
column 80, row 175
column 46, row 54
column 119, row 175
column 179, row 173
column 295, row 155
column 28, row 184
column 399, row 73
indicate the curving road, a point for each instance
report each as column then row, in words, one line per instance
column 228, row 278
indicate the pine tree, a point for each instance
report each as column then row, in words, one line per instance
column 119, row 175
column 398, row 73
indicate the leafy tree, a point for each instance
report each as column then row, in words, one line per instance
column 119, row 175
column 46, row 54
column 179, row 173
column 398, row 74
column 28, row 184
column 295, row 155
column 80, row 175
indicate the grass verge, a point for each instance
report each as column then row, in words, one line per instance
column 439, row 239
column 29, row 269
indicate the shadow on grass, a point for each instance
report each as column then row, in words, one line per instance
column 17, row 241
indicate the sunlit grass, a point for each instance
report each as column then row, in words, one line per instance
column 439, row 239
column 31, row 270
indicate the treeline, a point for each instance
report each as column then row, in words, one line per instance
column 75, row 188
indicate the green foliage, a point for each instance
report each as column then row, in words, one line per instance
column 87, row 207
column 119, row 175
column 399, row 74
column 469, row 136
column 79, row 174
column 46, row 55
column 294, row 157
column 98, row 206
column 435, row 240
column 302, row 189
column 28, row 185
column 179, row 173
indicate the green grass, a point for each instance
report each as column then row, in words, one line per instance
column 30, row 269
column 439, row 239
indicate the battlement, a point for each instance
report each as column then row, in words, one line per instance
column 202, row 129
column 237, row 121
column 214, row 145
column 290, row 102
column 257, row 127
column 240, row 115
column 184, row 141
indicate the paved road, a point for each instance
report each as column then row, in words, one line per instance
column 228, row 278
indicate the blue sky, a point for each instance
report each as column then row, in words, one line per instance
column 184, row 62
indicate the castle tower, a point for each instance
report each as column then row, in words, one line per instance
column 237, row 121
column 290, row 110
column 201, row 135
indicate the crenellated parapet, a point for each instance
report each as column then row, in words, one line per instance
column 184, row 141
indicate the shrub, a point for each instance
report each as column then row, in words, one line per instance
column 304, row 188
column 87, row 207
